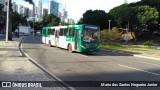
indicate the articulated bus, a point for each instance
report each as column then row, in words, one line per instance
column 74, row 38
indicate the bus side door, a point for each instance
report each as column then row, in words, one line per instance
column 57, row 38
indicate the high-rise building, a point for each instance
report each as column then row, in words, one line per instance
column 26, row 11
column 63, row 15
column 45, row 11
column 14, row 7
column 71, row 21
column 39, row 10
column 21, row 9
column 53, row 8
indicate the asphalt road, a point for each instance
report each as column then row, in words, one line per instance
column 101, row 66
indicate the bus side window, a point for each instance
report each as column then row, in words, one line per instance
column 52, row 31
column 65, row 31
column 61, row 32
column 44, row 32
column 71, row 32
column 49, row 31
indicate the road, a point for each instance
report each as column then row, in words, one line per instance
column 101, row 66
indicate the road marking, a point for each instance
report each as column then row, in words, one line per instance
column 42, row 68
column 139, row 69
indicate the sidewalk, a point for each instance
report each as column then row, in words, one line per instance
column 14, row 67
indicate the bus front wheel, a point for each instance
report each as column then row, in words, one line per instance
column 70, row 48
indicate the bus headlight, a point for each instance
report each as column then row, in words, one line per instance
column 83, row 47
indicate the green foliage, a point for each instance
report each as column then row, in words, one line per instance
column 122, row 14
column 110, row 38
column 18, row 19
column 97, row 17
column 114, row 47
column 63, row 23
column 38, row 26
column 147, row 15
column 51, row 20
column 148, row 43
column 80, row 21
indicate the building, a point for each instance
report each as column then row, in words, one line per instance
column 26, row 11
column 71, row 21
column 30, row 13
column 63, row 15
column 39, row 9
column 45, row 11
column 20, row 9
column 4, row 3
column 53, row 8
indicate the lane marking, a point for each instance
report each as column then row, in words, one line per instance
column 139, row 69
column 43, row 69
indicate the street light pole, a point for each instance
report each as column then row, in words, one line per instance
column 109, row 26
column 7, row 22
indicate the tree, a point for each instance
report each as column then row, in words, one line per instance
column 97, row 17
column 18, row 19
column 122, row 15
column 2, row 17
column 50, row 20
column 80, row 21
column 147, row 16
column 38, row 26
column 63, row 23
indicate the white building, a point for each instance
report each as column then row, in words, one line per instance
column 63, row 15
column 21, row 9
column 71, row 21
column 39, row 9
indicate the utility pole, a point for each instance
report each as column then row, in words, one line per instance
column 109, row 26
column 7, row 22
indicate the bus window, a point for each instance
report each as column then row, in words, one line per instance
column 49, row 31
column 65, row 31
column 44, row 32
column 71, row 32
column 61, row 32
column 52, row 31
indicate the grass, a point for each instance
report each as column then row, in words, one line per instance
column 113, row 47
column 149, row 47
column 139, row 48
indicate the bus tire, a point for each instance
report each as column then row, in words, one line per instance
column 70, row 48
column 49, row 43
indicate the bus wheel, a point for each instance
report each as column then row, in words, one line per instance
column 70, row 48
column 49, row 43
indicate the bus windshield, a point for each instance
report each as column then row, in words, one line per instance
column 91, row 35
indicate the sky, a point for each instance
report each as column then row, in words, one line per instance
column 76, row 8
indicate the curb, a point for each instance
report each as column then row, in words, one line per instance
column 141, row 56
column 135, row 55
column 63, row 84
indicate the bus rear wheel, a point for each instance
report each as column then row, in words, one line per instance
column 70, row 48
